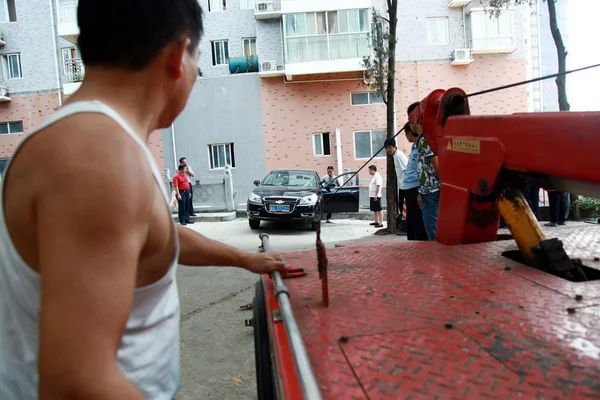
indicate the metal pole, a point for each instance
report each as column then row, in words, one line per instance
column 308, row 382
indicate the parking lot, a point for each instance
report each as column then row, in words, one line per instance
column 217, row 350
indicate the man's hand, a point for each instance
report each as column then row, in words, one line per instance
column 264, row 263
column 420, row 201
column 178, row 196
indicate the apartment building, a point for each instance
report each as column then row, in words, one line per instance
column 543, row 96
column 308, row 105
column 40, row 67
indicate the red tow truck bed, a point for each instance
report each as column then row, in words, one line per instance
column 424, row 320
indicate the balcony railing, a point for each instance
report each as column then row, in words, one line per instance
column 327, row 47
column 75, row 70
column 67, row 12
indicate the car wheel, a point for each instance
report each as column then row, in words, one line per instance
column 254, row 223
column 264, row 374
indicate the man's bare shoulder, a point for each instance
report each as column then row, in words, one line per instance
column 88, row 151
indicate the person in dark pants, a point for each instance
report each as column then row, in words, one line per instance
column 558, row 208
column 415, row 229
column 532, row 195
column 182, row 188
column 330, row 181
column 400, row 163
column 189, row 174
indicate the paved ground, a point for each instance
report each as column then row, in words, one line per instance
column 217, row 350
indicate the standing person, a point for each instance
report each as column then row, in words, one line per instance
column 375, row 189
column 558, row 208
column 400, row 164
column 89, row 307
column 531, row 192
column 329, row 180
column 189, row 173
column 415, row 229
column 182, row 190
column 429, row 184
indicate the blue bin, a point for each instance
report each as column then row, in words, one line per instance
column 239, row 65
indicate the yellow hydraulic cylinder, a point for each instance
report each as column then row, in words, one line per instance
column 523, row 225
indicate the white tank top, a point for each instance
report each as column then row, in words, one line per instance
column 149, row 351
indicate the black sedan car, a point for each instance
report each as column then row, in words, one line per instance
column 298, row 195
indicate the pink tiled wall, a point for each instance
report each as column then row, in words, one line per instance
column 293, row 112
column 33, row 109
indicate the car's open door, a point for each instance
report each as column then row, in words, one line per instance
column 346, row 199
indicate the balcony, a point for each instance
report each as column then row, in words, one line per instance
column 457, row 3
column 4, row 97
column 322, row 54
column 67, row 20
column 75, row 73
column 267, row 9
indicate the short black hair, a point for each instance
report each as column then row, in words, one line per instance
column 181, row 160
column 373, row 168
column 412, row 107
column 330, row 167
column 389, row 142
column 130, row 34
column 408, row 129
column 181, row 167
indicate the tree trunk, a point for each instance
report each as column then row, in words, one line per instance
column 392, row 186
column 561, row 83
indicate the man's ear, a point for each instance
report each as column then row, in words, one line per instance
column 175, row 55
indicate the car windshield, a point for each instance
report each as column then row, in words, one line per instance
column 290, row 178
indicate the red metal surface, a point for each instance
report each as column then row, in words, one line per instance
column 285, row 374
column 525, row 143
column 424, row 320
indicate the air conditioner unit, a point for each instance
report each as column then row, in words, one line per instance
column 462, row 57
column 3, row 91
column 268, row 65
column 264, row 6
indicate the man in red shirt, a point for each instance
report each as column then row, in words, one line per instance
column 184, row 197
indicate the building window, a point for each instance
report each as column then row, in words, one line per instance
column 11, row 66
column 367, row 143
column 8, row 12
column 68, row 54
column 220, row 52
column 321, row 144
column 362, row 99
column 491, row 34
column 221, row 155
column 217, row 5
column 3, row 165
column 6, row 128
column 330, row 35
column 437, row 31
column 247, row 4
column 249, row 45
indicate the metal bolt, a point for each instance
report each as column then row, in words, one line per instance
column 571, row 310
column 277, row 316
column 344, row 339
column 449, row 325
column 579, row 297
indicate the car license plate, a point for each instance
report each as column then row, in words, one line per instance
column 280, row 208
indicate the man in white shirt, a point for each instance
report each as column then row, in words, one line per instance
column 189, row 173
column 400, row 164
column 375, row 188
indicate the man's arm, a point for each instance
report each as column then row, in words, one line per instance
column 436, row 165
column 176, row 186
column 198, row 250
column 190, row 171
column 88, row 268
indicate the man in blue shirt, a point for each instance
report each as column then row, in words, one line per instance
column 414, row 218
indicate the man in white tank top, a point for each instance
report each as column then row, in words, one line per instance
column 88, row 299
